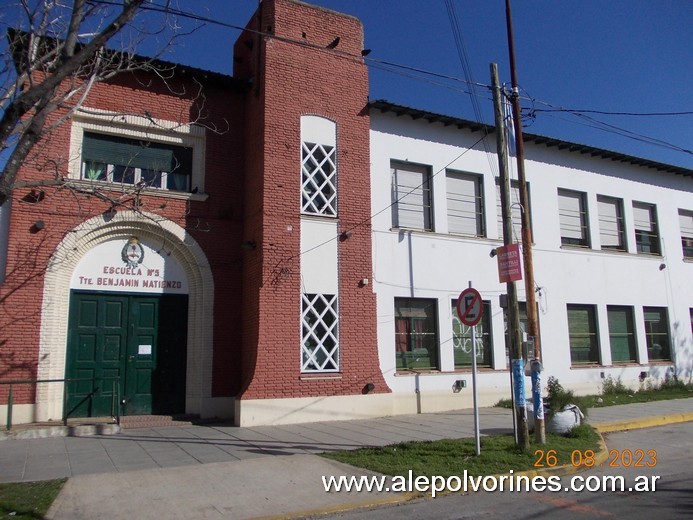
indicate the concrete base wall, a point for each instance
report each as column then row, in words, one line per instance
column 257, row 412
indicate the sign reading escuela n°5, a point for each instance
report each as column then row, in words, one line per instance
column 509, row 263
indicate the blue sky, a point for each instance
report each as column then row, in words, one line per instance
column 630, row 56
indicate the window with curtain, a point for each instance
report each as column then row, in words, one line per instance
column 657, row 334
column 462, row 339
column 135, row 162
column 646, row 232
column 465, row 203
column 686, row 223
column 572, row 217
column 515, row 209
column 416, row 333
column 611, row 227
column 582, row 335
column 622, row 334
column 411, row 196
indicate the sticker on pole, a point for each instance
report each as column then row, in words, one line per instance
column 469, row 307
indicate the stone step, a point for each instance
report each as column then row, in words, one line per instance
column 130, row 422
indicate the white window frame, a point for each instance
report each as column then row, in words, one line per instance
column 573, row 218
column 612, row 229
column 515, row 209
column 646, row 226
column 465, row 203
column 319, row 168
column 412, row 196
column 319, row 333
column 686, row 225
column 141, row 128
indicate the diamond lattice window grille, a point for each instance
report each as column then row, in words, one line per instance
column 320, row 343
column 318, row 180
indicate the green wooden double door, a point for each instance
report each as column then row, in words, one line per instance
column 126, row 351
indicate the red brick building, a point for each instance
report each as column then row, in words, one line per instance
column 175, row 270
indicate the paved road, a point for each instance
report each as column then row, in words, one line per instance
column 673, row 497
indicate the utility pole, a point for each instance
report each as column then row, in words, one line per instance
column 518, row 387
column 531, row 302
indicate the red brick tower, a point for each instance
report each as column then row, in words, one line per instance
column 305, row 64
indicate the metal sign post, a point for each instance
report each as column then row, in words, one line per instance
column 470, row 309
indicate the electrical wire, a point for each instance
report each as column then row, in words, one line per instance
column 467, row 69
column 391, row 67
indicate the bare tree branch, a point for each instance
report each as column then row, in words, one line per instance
column 44, row 62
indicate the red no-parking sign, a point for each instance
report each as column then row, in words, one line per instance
column 469, row 307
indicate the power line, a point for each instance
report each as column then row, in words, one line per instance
column 383, row 65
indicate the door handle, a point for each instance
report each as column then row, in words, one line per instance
column 131, row 358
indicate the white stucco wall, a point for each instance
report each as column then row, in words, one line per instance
column 439, row 265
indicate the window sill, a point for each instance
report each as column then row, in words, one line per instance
column 321, row 376
column 583, row 366
column 126, row 188
column 578, row 247
column 414, row 372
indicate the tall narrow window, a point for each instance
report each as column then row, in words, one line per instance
column 582, row 335
column 462, row 339
column 622, row 334
column 318, row 166
column 646, row 232
column 465, row 203
column 320, row 339
column 411, row 196
column 572, row 216
column 611, row 227
column 657, row 334
column 416, row 333
column 686, row 223
column 515, row 209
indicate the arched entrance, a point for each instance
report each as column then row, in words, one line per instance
column 122, row 301
column 127, row 332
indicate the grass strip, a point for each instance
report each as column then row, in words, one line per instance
column 450, row 457
column 28, row 500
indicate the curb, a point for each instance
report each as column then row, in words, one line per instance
column 644, row 422
column 600, row 457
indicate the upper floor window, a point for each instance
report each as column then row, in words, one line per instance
column 686, row 223
column 465, row 203
column 515, row 209
column 318, row 166
column 135, row 162
column 646, row 232
column 611, row 228
column 411, row 196
column 130, row 150
column 572, row 216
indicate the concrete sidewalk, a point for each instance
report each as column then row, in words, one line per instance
column 219, row 471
